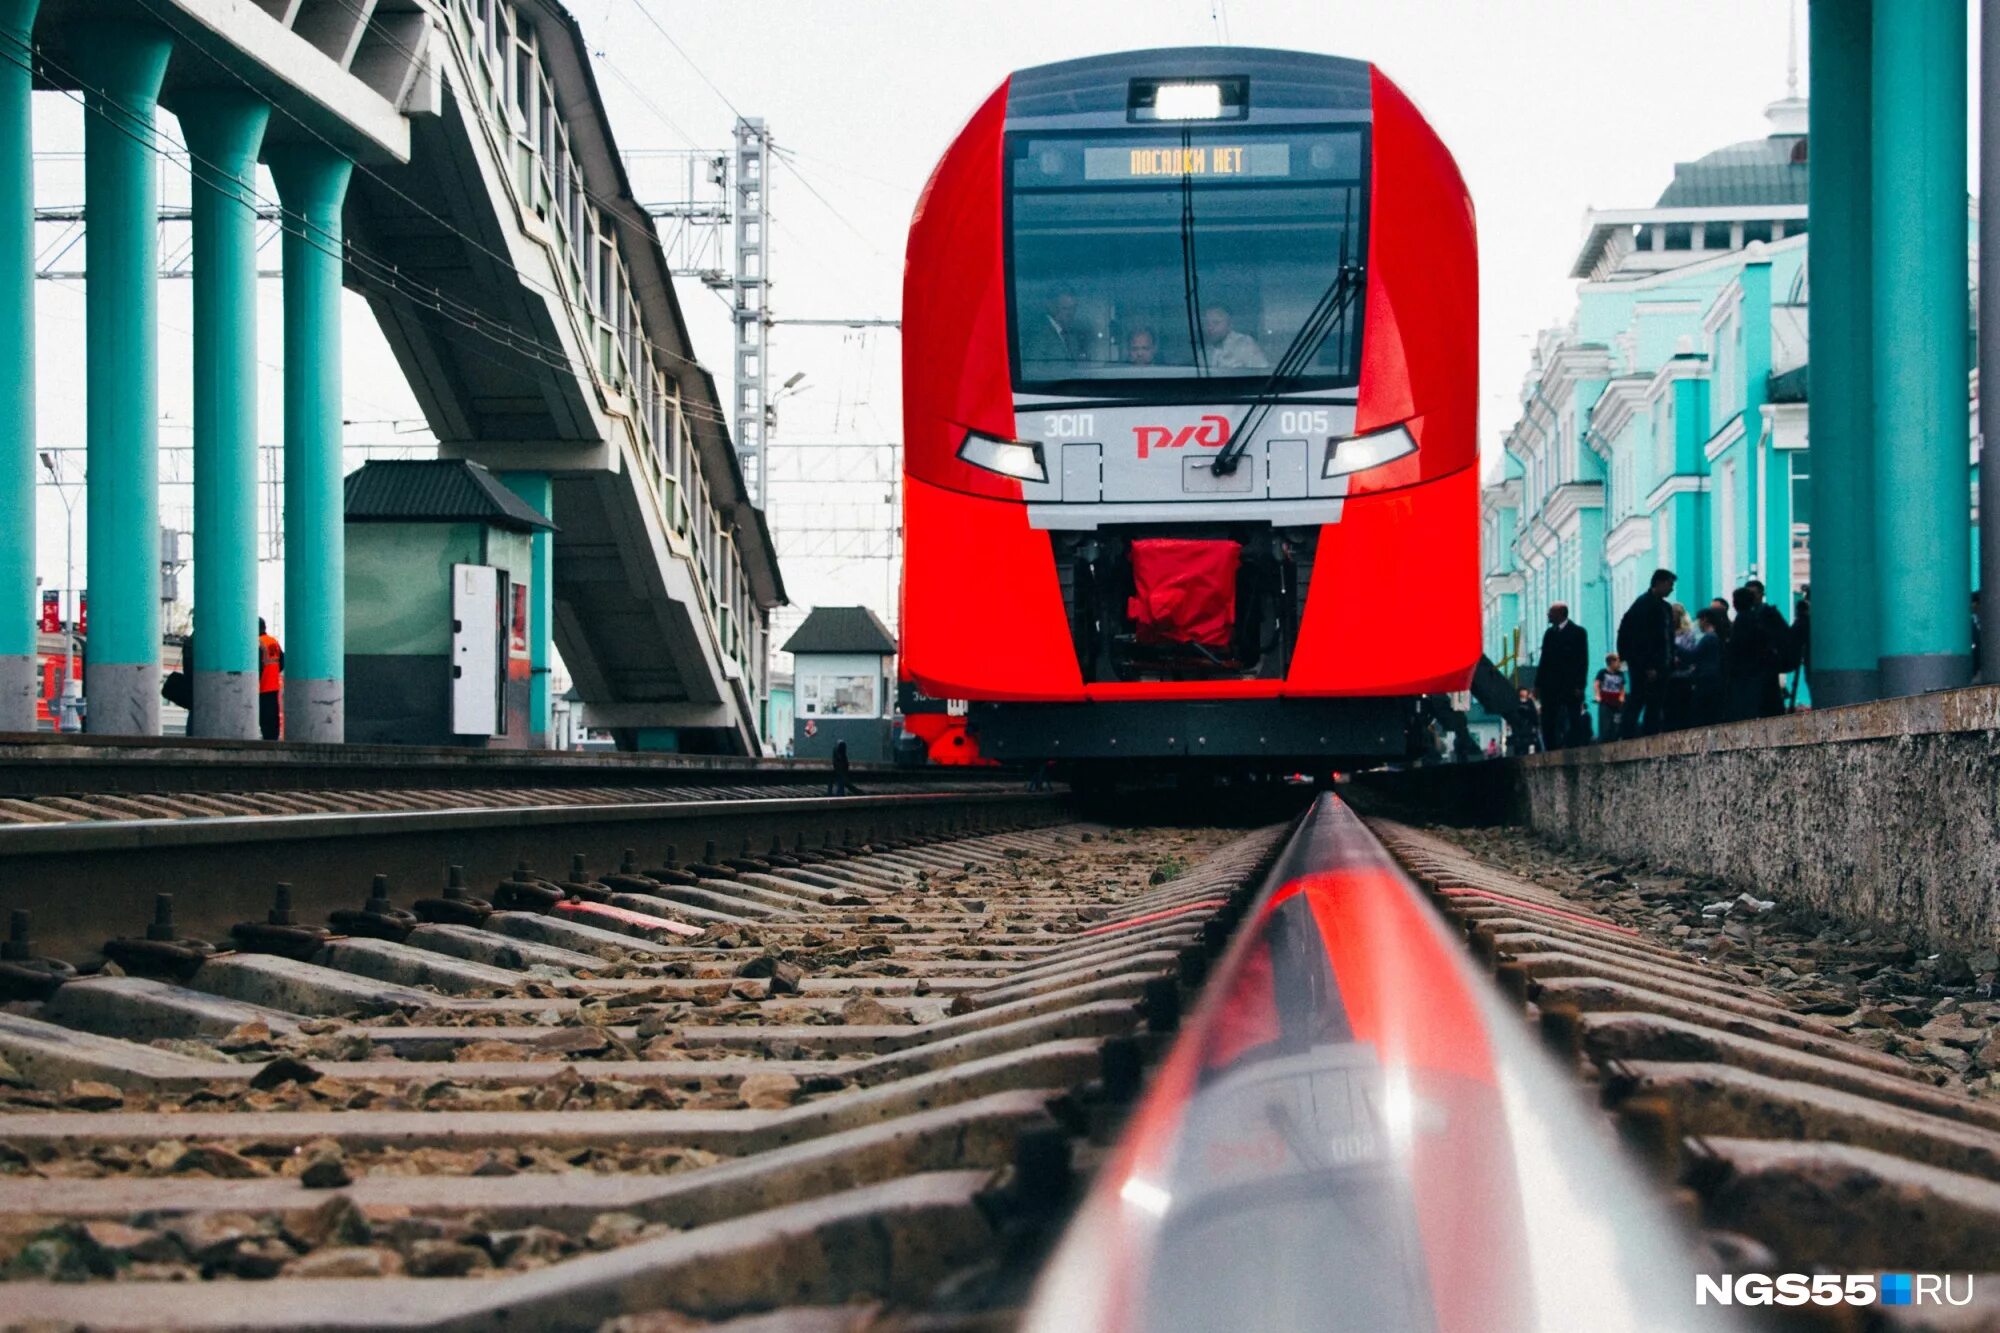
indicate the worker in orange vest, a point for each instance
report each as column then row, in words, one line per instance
column 270, row 684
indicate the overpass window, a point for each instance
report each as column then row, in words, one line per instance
column 524, row 86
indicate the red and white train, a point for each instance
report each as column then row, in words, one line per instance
column 1190, row 376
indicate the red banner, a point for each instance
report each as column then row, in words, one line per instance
column 83, row 613
column 51, row 613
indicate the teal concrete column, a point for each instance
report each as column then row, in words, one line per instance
column 1691, row 523
column 1987, row 539
column 223, row 127
column 312, row 182
column 17, row 388
column 538, row 492
column 1770, row 551
column 122, row 65
column 1840, row 413
column 1923, row 521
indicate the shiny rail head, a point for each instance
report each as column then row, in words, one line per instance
column 1356, row 1131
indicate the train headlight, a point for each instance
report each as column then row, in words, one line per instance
column 1010, row 458
column 1358, row 453
column 1188, row 101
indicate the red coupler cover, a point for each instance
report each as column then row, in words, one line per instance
column 1184, row 590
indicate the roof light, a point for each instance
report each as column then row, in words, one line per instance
column 1358, row 453
column 1010, row 458
column 1188, row 101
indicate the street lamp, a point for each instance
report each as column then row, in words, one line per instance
column 785, row 390
column 69, row 715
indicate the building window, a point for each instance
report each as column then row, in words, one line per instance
column 1801, row 490
column 837, row 696
column 1715, row 236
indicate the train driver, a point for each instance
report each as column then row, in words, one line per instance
column 1056, row 336
column 1229, row 349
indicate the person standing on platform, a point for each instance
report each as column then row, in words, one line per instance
column 1710, row 683
column 1525, row 735
column 1680, row 680
column 1646, row 642
column 1610, row 689
column 1559, row 678
column 1750, row 659
column 1801, row 646
column 1783, row 649
column 270, row 684
column 838, row 787
column 1720, row 605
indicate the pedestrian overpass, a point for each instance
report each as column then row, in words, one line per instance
column 450, row 160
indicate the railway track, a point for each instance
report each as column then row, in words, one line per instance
column 1792, row 1147
column 33, row 767
column 863, row 1085
column 117, row 850
column 810, row 1078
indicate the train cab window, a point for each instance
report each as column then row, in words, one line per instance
column 1142, row 260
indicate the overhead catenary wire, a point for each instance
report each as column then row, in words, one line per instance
column 645, row 12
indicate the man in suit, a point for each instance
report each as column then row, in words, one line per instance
column 1055, row 337
column 1559, row 679
column 1646, row 642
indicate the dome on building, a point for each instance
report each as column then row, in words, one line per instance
column 1771, row 170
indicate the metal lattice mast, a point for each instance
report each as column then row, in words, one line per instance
column 753, row 158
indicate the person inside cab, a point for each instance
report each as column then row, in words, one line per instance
column 1057, row 335
column 1229, row 348
column 1141, row 348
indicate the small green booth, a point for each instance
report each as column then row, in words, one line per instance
column 439, row 559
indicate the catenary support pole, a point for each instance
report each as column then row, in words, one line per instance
column 312, row 182
column 538, row 492
column 17, row 387
column 223, row 127
column 1923, row 527
column 122, row 66
column 1840, row 409
column 1989, row 335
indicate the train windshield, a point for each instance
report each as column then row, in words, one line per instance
column 1143, row 260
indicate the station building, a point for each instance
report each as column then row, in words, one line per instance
column 1664, row 425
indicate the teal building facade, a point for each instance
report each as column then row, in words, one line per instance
column 1665, row 424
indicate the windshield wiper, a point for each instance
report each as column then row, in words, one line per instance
column 1328, row 311
column 1190, row 271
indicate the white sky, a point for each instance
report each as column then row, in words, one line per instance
column 1551, row 107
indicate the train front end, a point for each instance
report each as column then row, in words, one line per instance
column 1190, row 378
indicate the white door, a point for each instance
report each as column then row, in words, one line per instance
column 475, row 650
